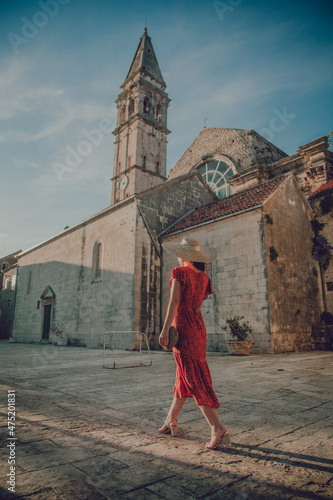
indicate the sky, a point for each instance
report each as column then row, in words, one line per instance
column 247, row 64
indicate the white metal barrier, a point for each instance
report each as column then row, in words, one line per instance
column 142, row 335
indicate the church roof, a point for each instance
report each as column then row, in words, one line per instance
column 145, row 60
column 231, row 205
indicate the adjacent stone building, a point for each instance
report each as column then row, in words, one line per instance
column 8, row 270
column 231, row 188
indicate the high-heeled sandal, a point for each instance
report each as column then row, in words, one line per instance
column 223, row 439
column 169, row 427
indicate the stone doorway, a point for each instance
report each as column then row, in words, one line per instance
column 47, row 298
column 47, row 309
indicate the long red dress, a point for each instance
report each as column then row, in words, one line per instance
column 193, row 378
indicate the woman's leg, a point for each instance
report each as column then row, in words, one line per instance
column 176, row 405
column 218, row 430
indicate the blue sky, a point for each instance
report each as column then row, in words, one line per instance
column 238, row 63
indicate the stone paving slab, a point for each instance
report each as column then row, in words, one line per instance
column 84, row 432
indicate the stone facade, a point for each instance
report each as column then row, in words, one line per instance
column 61, row 272
column 312, row 165
column 239, row 277
column 158, row 208
column 280, row 298
column 322, row 202
column 8, row 269
column 85, row 303
column 245, row 148
column 295, row 298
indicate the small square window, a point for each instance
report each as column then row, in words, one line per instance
column 329, row 286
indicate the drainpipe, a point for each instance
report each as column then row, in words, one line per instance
column 161, row 288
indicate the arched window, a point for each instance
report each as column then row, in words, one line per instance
column 131, row 107
column 216, row 172
column 146, row 106
column 144, row 161
column 158, row 113
column 97, row 260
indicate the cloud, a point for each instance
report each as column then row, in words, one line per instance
column 32, row 112
column 21, row 163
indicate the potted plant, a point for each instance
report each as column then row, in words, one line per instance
column 241, row 330
column 61, row 336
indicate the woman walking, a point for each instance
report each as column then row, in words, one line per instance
column 190, row 285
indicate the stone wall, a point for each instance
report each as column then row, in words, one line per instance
column 158, row 209
column 84, row 306
column 239, row 277
column 167, row 203
column 146, row 285
column 327, row 232
column 312, row 165
column 244, row 147
column 7, row 301
column 295, row 298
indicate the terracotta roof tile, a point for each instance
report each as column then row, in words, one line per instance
column 228, row 206
column 324, row 187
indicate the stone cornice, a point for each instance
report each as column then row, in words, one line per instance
column 138, row 167
column 143, row 118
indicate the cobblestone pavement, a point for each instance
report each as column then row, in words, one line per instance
column 84, row 432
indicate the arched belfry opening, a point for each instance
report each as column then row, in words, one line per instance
column 146, row 106
column 131, row 107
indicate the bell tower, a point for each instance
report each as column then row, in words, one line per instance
column 141, row 132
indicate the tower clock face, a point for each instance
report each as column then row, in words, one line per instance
column 123, row 183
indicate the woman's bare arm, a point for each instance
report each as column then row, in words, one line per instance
column 171, row 312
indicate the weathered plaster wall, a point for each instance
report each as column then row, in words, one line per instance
column 295, row 299
column 239, row 277
column 84, row 307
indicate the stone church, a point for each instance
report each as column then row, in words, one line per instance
column 231, row 189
